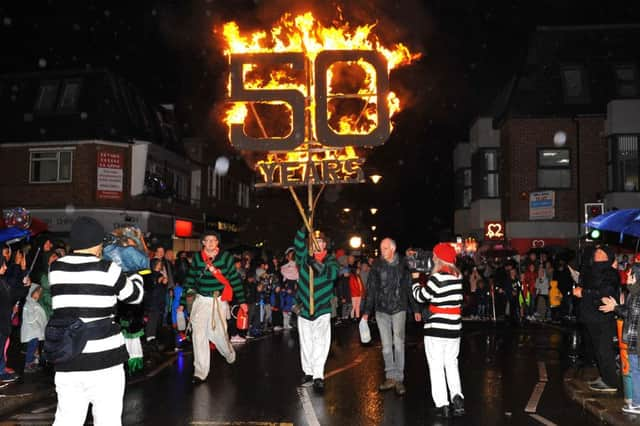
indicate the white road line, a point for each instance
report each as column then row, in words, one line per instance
column 542, row 372
column 542, row 420
column 532, row 405
column 309, row 414
column 45, row 408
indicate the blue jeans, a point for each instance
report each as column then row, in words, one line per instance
column 634, row 370
column 392, row 332
column 32, row 345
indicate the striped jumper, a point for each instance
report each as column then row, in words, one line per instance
column 87, row 287
column 444, row 293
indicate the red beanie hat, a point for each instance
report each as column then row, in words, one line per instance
column 445, row 252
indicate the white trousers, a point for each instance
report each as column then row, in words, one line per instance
column 209, row 324
column 442, row 357
column 315, row 341
column 104, row 389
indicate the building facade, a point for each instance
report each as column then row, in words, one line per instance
column 561, row 137
column 87, row 143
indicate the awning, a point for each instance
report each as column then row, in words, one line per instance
column 523, row 245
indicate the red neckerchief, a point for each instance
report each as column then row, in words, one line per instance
column 227, row 292
column 319, row 256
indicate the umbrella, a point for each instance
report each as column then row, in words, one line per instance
column 12, row 234
column 624, row 222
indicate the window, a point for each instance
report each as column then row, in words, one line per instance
column 70, row 95
column 554, row 168
column 623, row 163
column 626, row 81
column 463, row 186
column 50, row 166
column 47, row 94
column 485, row 175
column 575, row 85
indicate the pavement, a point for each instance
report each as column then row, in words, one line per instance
column 605, row 407
column 30, row 388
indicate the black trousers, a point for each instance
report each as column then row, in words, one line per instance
column 601, row 334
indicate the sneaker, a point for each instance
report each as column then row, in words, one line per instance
column 387, row 384
column 31, row 368
column 8, row 377
column 197, row 380
column 400, row 389
column 9, row 370
column 277, row 328
column 249, row 337
column 307, row 380
column 238, row 339
column 631, row 409
column 594, row 381
column 318, row 385
column 458, row 405
column 603, row 387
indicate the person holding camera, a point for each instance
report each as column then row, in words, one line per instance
column 442, row 330
column 216, row 281
column 86, row 287
column 314, row 327
column 389, row 294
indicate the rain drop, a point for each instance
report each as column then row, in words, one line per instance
column 42, row 63
column 222, row 166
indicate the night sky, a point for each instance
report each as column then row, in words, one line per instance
column 167, row 49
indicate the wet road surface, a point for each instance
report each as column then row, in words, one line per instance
column 500, row 369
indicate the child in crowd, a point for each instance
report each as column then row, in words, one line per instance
column 482, row 300
column 276, row 309
column 555, row 300
column 179, row 318
column 34, row 321
column 288, row 300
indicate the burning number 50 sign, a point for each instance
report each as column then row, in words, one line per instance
column 296, row 99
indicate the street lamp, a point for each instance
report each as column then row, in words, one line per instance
column 375, row 178
column 373, row 227
column 346, row 210
column 355, row 242
column 373, row 210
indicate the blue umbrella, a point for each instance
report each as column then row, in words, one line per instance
column 13, row 234
column 625, row 222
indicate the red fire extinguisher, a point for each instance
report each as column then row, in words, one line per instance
column 242, row 320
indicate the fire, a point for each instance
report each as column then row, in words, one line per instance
column 350, row 85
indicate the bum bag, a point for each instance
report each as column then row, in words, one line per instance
column 66, row 337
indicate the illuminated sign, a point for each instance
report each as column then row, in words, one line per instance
column 494, row 230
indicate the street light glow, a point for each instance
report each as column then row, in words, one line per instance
column 355, row 242
column 346, row 210
column 373, row 210
column 373, row 227
column 375, row 178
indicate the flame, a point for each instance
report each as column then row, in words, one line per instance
column 351, row 85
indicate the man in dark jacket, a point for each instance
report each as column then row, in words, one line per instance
column 389, row 293
column 598, row 280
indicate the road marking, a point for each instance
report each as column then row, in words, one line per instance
column 309, row 413
column 40, row 416
column 355, row 362
column 45, row 408
column 532, row 405
column 542, row 420
column 542, row 372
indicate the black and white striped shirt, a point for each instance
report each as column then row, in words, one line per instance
column 441, row 291
column 87, row 287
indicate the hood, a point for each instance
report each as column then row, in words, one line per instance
column 33, row 288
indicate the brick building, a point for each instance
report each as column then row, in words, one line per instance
column 86, row 142
column 563, row 134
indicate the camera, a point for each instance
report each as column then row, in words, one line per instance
column 419, row 260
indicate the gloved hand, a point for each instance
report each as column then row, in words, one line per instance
column 317, row 266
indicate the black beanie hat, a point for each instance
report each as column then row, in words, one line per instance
column 86, row 232
column 213, row 233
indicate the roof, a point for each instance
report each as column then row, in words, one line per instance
column 572, row 71
column 80, row 105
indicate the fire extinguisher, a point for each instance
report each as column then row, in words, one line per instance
column 242, row 319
